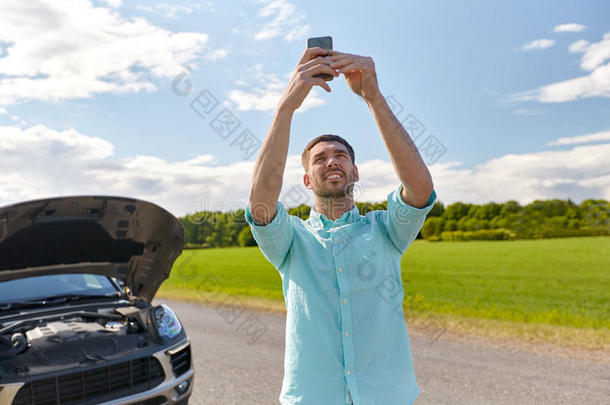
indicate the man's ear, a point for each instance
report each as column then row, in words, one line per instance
column 306, row 181
column 356, row 175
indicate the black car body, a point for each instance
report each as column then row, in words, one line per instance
column 77, row 277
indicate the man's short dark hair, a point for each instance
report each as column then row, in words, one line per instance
column 326, row 138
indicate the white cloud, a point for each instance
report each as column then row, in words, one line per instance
column 44, row 142
column 595, row 84
column 145, row 8
column 217, row 54
column 41, row 162
column 538, row 44
column 282, row 19
column 526, row 111
column 3, row 111
column 596, row 53
column 572, row 27
column 170, row 11
column 578, row 46
column 573, row 140
column 57, row 52
column 578, row 173
column 265, row 90
column 113, row 3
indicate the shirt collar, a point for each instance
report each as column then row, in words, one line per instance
column 320, row 220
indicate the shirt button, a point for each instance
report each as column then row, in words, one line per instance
column 340, row 269
column 344, row 301
column 346, row 334
column 348, row 372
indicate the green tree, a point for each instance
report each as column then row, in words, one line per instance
column 245, row 238
column 223, row 233
column 541, row 218
column 595, row 213
column 364, row 207
column 456, row 211
column 450, row 225
column 302, row 211
column 509, row 207
column 488, row 211
column 437, row 210
column 432, row 226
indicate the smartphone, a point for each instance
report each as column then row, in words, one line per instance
column 324, row 43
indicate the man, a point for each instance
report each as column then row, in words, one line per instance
column 346, row 336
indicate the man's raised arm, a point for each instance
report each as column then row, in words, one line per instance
column 359, row 72
column 408, row 163
column 271, row 160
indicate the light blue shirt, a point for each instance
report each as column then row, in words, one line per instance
column 346, row 334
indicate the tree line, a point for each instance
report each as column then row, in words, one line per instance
column 455, row 222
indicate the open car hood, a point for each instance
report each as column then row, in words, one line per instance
column 132, row 240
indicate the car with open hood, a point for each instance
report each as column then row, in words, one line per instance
column 77, row 323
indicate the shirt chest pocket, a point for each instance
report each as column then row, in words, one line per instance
column 365, row 260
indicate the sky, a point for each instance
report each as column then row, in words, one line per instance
column 170, row 101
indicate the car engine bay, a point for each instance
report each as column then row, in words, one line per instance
column 46, row 344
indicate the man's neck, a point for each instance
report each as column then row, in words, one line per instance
column 333, row 208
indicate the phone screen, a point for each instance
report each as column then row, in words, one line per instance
column 324, row 43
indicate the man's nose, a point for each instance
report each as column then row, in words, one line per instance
column 332, row 161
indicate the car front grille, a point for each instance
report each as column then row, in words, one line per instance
column 181, row 361
column 93, row 385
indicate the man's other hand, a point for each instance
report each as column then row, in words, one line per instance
column 359, row 72
column 314, row 61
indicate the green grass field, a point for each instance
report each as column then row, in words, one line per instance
column 562, row 283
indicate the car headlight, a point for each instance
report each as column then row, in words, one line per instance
column 166, row 322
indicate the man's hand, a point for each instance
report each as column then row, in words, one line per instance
column 312, row 63
column 359, row 72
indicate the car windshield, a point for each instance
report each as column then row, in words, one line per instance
column 54, row 285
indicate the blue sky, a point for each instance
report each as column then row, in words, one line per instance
column 514, row 94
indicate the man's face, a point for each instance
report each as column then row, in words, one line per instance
column 331, row 173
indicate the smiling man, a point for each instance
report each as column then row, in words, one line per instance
column 346, row 336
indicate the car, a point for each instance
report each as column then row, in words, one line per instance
column 77, row 324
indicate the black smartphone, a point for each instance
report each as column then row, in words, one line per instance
column 324, row 43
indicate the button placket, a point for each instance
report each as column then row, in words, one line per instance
column 345, row 312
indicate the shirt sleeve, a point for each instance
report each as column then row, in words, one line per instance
column 275, row 238
column 403, row 221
